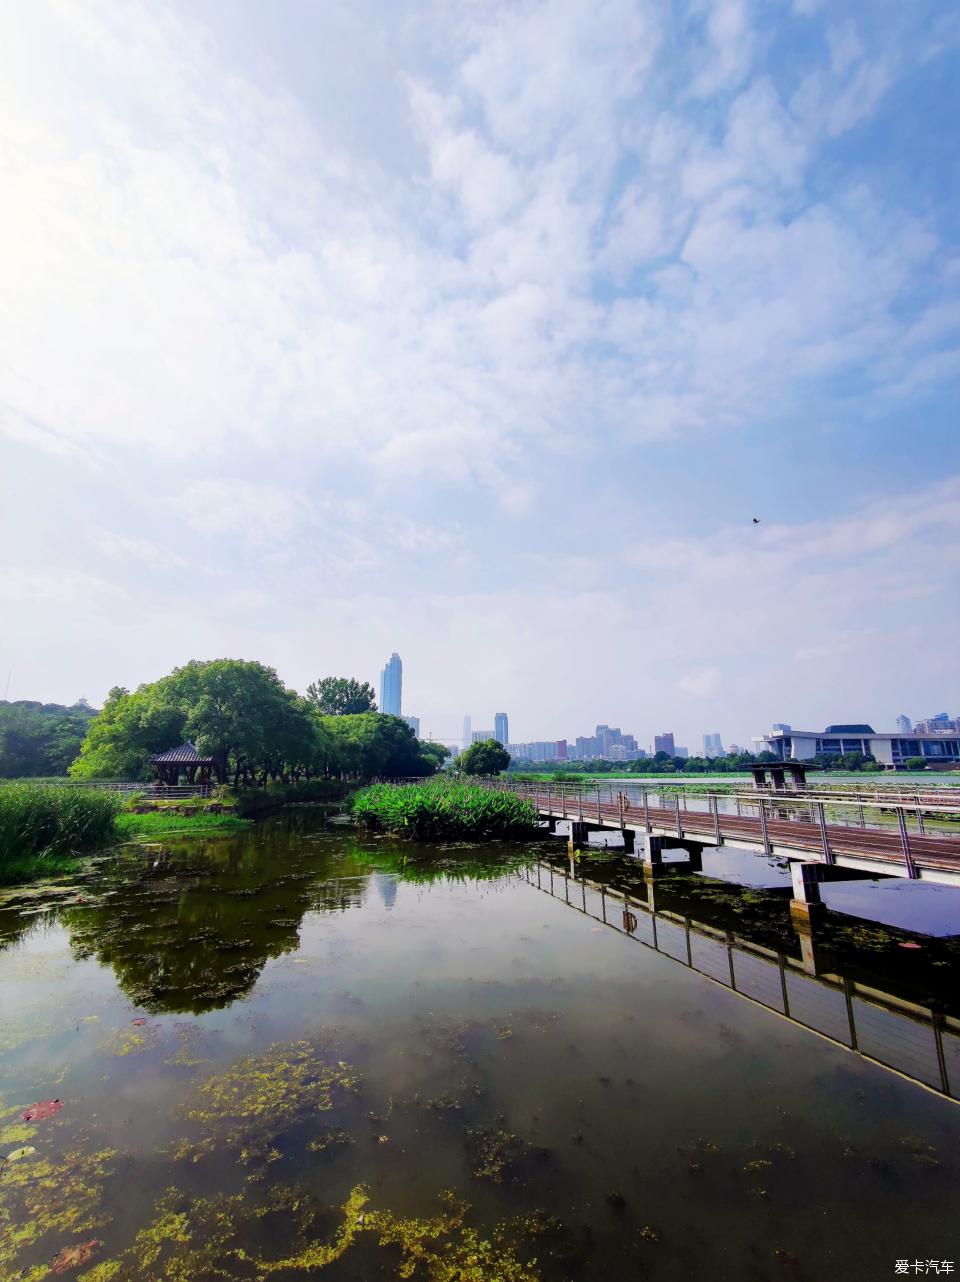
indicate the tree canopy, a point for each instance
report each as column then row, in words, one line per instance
column 341, row 696
column 488, row 757
column 242, row 715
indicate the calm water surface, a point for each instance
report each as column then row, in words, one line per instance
column 307, row 1052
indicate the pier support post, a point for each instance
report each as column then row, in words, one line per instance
column 806, row 902
column 629, row 841
column 652, row 854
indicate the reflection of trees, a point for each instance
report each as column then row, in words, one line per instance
column 189, row 925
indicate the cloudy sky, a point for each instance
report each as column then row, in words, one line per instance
column 481, row 332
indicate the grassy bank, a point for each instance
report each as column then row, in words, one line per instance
column 44, row 828
column 164, row 823
column 443, row 811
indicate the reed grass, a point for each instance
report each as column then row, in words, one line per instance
column 441, row 810
column 44, row 827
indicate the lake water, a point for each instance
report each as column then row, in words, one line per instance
column 306, row 1052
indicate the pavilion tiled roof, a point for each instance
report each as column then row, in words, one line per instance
column 186, row 753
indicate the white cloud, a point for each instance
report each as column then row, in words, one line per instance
column 700, row 682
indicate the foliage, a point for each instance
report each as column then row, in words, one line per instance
column 489, row 757
column 341, row 696
column 40, row 739
column 373, row 745
column 238, row 712
column 256, row 729
column 442, row 810
column 43, row 825
column 916, row 763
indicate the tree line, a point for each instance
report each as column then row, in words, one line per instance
column 238, row 712
column 41, row 739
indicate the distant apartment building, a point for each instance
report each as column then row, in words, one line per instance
column 391, row 686
column 904, row 724
column 940, row 724
column 414, row 724
column 561, row 749
column 681, row 752
column 467, row 723
column 617, row 752
column 481, row 736
column 501, row 728
column 782, row 727
column 712, row 746
column 938, row 748
column 664, row 743
column 585, row 747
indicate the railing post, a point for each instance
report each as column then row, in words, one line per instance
column 824, row 839
column 937, row 1021
column 580, row 802
column 763, row 827
column 646, row 810
column 599, row 813
column 716, row 819
column 676, row 800
column 920, row 817
column 905, row 843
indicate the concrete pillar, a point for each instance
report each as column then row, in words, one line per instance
column 629, row 840
column 806, row 901
column 651, row 849
column 579, row 832
column 551, row 821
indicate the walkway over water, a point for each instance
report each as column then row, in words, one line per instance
column 792, row 827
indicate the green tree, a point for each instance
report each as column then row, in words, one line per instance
column 916, row 763
column 488, row 757
column 374, row 744
column 40, row 738
column 341, row 696
column 435, row 752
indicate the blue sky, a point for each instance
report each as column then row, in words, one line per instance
column 480, row 332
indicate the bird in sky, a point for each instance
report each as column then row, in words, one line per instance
column 756, row 520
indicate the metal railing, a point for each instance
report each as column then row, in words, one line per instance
column 918, row 1043
column 789, row 824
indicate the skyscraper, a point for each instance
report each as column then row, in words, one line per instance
column 414, row 724
column 467, row 727
column 664, row 743
column 500, row 727
column 904, row 724
column 391, row 685
column 712, row 745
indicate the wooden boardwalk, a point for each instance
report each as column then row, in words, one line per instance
column 894, row 851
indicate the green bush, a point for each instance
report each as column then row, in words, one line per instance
column 439, row 810
column 42, row 826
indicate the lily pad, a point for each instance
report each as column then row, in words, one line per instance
column 19, row 1153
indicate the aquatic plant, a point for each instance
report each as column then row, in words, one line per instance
column 444, row 810
column 259, row 1098
column 43, row 827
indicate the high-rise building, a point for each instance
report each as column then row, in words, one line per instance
column 904, row 724
column 481, row 736
column 781, row 727
column 467, row 737
column 712, row 745
column 681, row 752
column 501, row 727
column 561, row 749
column 664, row 743
column 414, row 724
column 391, row 686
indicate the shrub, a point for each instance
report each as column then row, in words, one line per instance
column 439, row 810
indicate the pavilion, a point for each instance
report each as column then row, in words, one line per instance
column 785, row 776
column 185, row 760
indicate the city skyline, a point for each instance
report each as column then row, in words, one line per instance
column 670, row 439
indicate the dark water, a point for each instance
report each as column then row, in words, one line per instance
column 363, row 1060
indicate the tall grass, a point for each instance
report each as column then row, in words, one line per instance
column 439, row 810
column 42, row 826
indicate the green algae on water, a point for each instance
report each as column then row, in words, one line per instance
column 262, row 1096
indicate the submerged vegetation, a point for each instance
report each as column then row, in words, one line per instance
column 441, row 810
column 44, row 827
